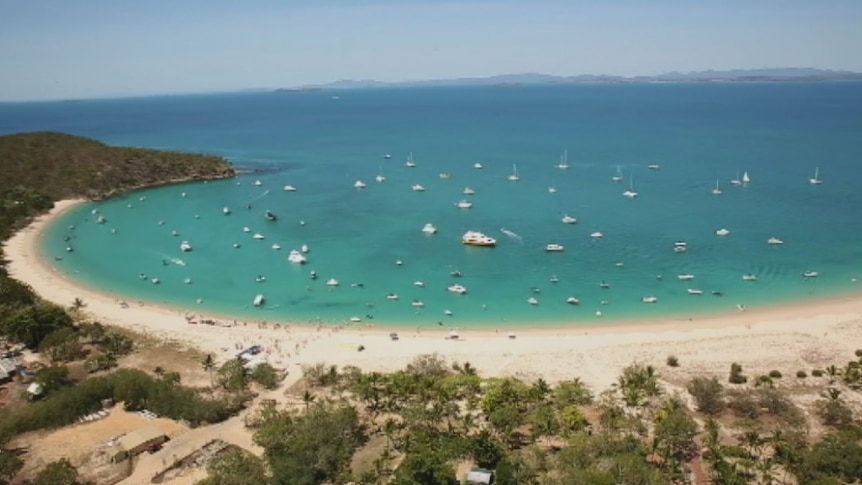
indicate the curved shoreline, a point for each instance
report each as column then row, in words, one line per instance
column 609, row 345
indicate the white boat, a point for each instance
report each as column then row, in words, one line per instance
column 187, row 281
column 420, row 284
column 476, row 238
column 809, row 274
column 225, row 210
column 469, row 191
column 716, row 190
column 514, row 177
column 392, row 296
column 101, row 220
column 653, row 167
column 296, row 257
column 649, row 299
column 260, row 279
column 552, row 189
column 155, row 281
column 246, row 229
column 815, row 180
column 597, row 235
column 418, row 188
column 258, row 236
column 410, row 163
column 289, row 188
column 270, row 216
column 774, row 241
column 567, row 219
column 736, row 181
column 448, row 313
column 619, row 176
column 477, row 166
column 532, row 301
column 256, row 182
column 457, row 289
column 630, row 193
column 445, row 176
column 417, row 303
column 332, row 282
column 304, row 248
column 387, row 156
column 236, row 245
column 175, row 233
column 722, row 232
column 185, row 246
column 749, row 277
column 276, row 246
column 745, row 178
column 464, row 204
column 359, row 184
column 258, row 300
column 694, row 291
column 380, row 177
column 355, row 319
column 429, row 229
column 564, row 160
column 685, row 277
column 554, row 247
column 572, row 300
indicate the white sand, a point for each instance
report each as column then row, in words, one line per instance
column 789, row 338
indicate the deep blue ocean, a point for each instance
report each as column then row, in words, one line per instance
column 322, row 142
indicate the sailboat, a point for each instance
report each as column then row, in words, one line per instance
column 745, row 178
column 619, row 176
column 514, row 177
column 564, row 160
column 716, row 190
column 410, row 163
column 630, row 193
column 816, row 180
column 552, row 189
column 380, row 177
column 736, row 181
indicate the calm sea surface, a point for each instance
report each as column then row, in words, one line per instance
column 322, row 144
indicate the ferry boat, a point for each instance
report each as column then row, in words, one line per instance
column 475, row 238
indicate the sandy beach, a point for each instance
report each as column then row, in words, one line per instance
column 789, row 338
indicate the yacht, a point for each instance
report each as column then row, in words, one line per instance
column 597, row 235
column 514, row 177
column 572, row 300
column 296, row 257
column 418, row 188
column 185, row 246
column 469, row 191
column 464, row 204
column 774, row 241
column 476, row 238
column 225, row 210
column 716, row 190
column 429, row 229
column 680, row 247
column 567, row 219
column 685, row 277
column 749, row 277
column 722, row 232
column 392, row 296
column 270, row 216
column 653, row 167
column 276, row 246
column 809, row 274
column 410, row 163
column 457, row 289
column 619, row 176
column 258, row 236
column 554, row 247
column 815, row 180
column 332, row 282
column 564, row 160
column 649, row 299
column 694, row 291
column 359, row 184
column 477, row 166
column 256, row 182
column 258, row 300
column 289, row 188
column 532, row 301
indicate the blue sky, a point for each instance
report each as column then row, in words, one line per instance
column 55, row 49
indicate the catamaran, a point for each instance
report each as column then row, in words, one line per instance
column 630, row 193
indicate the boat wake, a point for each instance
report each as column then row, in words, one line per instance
column 511, row 234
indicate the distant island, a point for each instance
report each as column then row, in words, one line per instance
column 788, row 74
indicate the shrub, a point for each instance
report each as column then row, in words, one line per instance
column 775, row 374
column 858, row 353
column 708, row 395
column 834, row 412
column 736, row 376
column 817, row 373
column 672, row 361
column 801, row 374
column 763, row 380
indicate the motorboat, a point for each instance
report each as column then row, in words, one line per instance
column 260, row 279
column 469, row 191
column 185, row 246
column 398, row 262
column 680, row 247
column 418, row 188
column 236, row 245
column 809, row 274
column 455, row 274
column 175, row 233
column 246, row 229
column 258, row 300
column 257, row 236
column 313, row 275
column 447, row 312
column 476, row 238
column 355, row 319
column 619, row 264
column 445, row 176
column 464, row 204
column 554, row 247
column 101, row 220
column 567, row 219
column 392, row 296
column 477, row 166
column 604, row 285
column 572, row 300
column 69, row 249
column 256, row 182
column 359, row 184
column 270, row 216
column 387, row 156
column 532, row 301
column 410, row 163
column 536, row 289
column 304, row 248
column 276, row 246
column 722, row 232
column 417, row 304
column 296, row 257
column 187, row 281
column 749, row 277
column 694, row 291
column 289, row 188
column 815, row 180
column 653, row 167
column 155, row 281
column 457, row 289
column 685, row 277
column 332, row 282
column 554, row 279
column 420, row 284
column 597, row 235
column 649, row 299
column 429, row 229
column 225, row 210
column 774, row 241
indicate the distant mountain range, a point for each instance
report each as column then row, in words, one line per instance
column 787, row 74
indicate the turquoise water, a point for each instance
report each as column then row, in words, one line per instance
column 779, row 133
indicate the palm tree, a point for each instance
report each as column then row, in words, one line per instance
column 77, row 305
column 833, row 373
column 159, row 371
column 209, row 364
column 307, row 398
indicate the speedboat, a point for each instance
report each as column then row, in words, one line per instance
column 155, row 281
column 604, row 285
column 749, row 277
column 597, row 235
column 185, row 246
column 653, row 167
column 296, row 257
column 455, row 274
column 225, row 210
column 476, row 238
column 572, row 300
column 392, row 296
column 774, row 241
column 418, row 188
column 270, row 216
column 722, row 232
column 332, row 282
column 289, row 188
column 809, row 274
column 258, row 236
column 567, row 219
column 276, row 246
column 532, row 301
column 685, row 277
column 649, row 299
column 469, row 191
column 694, row 291
column 359, row 184
column 464, row 204
column 457, row 289
column 420, row 284
column 554, row 247
column 429, row 229
column 258, row 300
column 680, row 247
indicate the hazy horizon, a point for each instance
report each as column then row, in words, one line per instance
column 54, row 49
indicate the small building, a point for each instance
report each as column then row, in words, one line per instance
column 141, row 440
column 116, row 453
column 479, row 475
